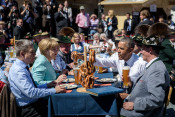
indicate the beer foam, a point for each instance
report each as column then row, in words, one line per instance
column 126, row 68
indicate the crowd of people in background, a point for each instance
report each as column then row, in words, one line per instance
column 39, row 30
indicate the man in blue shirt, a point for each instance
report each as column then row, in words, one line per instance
column 22, row 84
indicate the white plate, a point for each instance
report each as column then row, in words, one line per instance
column 69, row 86
column 69, row 80
column 106, row 80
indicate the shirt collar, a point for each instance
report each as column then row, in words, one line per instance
column 145, row 19
column 21, row 63
column 151, row 62
column 130, row 61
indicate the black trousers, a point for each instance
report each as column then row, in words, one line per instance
column 37, row 109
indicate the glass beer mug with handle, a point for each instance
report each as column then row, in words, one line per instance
column 76, row 71
column 125, row 76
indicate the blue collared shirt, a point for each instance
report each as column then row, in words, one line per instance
column 22, row 86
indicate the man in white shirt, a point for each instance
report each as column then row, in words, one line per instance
column 125, row 56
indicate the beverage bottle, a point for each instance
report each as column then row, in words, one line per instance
column 7, row 56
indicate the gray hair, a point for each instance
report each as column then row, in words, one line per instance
column 103, row 35
column 96, row 34
column 22, row 45
column 129, row 42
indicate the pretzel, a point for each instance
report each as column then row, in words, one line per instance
column 86, row 71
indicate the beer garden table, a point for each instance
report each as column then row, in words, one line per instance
column 76, row 103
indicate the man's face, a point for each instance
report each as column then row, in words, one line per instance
column 82, row 10
column 29, row 56
column 124, row 53
column 47, row 2
column 65, row 48
column 172, row 38
column 61, row 6
column 136, row 48
column 20, row 23
column 145, row 53
column 127, row 16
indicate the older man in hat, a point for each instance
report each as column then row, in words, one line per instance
column 63, row 59
column 83, row 21
column 148, row 93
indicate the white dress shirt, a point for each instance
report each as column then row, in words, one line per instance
column 136, row 64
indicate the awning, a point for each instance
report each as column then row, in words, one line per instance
column 120, row 2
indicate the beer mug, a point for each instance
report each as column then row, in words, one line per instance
column 100, row 69
column 76, row 75
column 125, row 76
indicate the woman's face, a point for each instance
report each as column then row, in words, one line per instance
column 53, row 53
column 96, row 38
column 76, row 39
column 142, row 16
column 103, row 38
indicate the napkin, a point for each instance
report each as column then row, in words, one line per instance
column 68, row 91
column 96, row 78
column 103, row 84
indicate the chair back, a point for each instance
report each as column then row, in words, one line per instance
column 7, row 103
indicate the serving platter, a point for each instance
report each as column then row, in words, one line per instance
column 69, row 86
column 106, row 80
column 69, row 80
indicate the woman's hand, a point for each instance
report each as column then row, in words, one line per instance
column 61, row 78
column 51, row 84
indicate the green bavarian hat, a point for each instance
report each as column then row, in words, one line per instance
column 44, row 33
column 137, row 38
column 36, row 35
column 172, row 32
column 64, row 39
column 152, row 41
column 118, row 38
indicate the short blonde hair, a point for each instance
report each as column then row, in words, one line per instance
column 73, row 37
column 145, row 13
column 47, row 44
column 111, row 13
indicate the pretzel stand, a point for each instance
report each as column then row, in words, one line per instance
column 87, row 70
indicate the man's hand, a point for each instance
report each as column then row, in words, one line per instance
column 129, row 81
column 105, row 70
column 51, row 84
column 123, row 95
column 61, row 78
column 59, row 89
column 128, row 106
column 71, row 72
